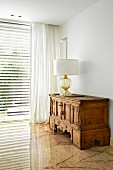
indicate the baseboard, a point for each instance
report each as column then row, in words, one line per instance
column 111, row 142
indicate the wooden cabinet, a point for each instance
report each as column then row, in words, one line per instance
column 84, row 117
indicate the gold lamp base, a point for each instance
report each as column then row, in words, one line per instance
column 65, row 93
column 65, row 84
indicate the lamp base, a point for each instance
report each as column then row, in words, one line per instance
column 65, row 84
column 65, row 93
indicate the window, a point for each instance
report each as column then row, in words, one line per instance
column 14, row 68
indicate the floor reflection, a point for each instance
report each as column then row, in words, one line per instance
column 24, row 147
column 14, row 146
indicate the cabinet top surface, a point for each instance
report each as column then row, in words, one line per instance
column 78, row 97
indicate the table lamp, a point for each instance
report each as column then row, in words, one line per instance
column 65, row 67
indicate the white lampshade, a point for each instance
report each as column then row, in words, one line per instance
column 65, row 67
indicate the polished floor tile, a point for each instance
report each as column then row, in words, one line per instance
column 36, row 147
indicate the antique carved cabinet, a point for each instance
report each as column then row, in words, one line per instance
column 84, row 117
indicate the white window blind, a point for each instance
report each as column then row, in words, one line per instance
column 14, row 68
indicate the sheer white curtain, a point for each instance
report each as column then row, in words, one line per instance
column 44, row 48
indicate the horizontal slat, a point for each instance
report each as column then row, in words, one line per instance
column 12, row 30
column 11, row 89
column 13, row 75
column 19, row 102
column 10, row 67
column 16, row 78
column 14, row 57
column 17, row 94
column 4, row 54
column 14, row 35
column 18, row 42
column 14, row 91
column 14, row 43
column 13, row 86
column 9, row 63
column 10, row 105
column 15, row 25
column 16, row 99
column 14, row 49
column 14, row 81
column 6, row 83
column 15, row 108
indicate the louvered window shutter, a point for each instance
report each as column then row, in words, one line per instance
column 14, row 68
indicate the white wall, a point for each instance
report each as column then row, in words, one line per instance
column 90, row 39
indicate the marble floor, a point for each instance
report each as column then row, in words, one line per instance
column 26, row 147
